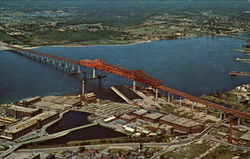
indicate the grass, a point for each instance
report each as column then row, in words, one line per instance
column 57, row 37
column 189, row 152
column 223, row 152
column 228, row 100
column 170, row 109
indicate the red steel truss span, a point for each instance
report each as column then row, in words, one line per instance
column 139, row 76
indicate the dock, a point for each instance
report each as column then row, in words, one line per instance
column 76, row 73
column 125, row 93
column 97, row 77
column 243, row 60
column 234, row 73
column 246, row 46
column 243, row 51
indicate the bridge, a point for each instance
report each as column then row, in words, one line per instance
column 135, row 75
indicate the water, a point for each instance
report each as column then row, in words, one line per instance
column 69, row 120
column 195, row 65
column 94, row 132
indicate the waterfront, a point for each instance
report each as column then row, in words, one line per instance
column 94, row 132
column 69, row 120
column 203, row 62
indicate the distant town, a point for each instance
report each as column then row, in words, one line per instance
column 58, row 27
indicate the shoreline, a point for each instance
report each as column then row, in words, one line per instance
column 2, row 47
column 2, row 44
column 82, row 45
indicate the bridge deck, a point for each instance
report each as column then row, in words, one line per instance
column 138, row 76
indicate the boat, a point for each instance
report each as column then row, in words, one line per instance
column 233, row 73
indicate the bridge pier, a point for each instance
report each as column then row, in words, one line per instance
column 94, row 74
column 73, row 68
column 180, row 101
column 156, row 94
column 78, row 69
column 192, row 105
column 134, row 85
column 59, row 63
column 221, row 116
column 66, row 65
column 172, row 96
column 169, row 97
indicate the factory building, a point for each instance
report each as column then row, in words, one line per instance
column 26, row 126
column 152, row 117
column 20, row 112
column 139, row 113
column 182, row 124
column 128, row 118
column 31, row 101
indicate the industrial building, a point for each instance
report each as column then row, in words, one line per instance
column 152, row 117
column 128, row 118
column 20, row 112
column 26, row 126
column 182, row 124
column 30, row 101
column 139, row 113
column 24, row 156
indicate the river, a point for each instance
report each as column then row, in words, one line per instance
column 194, row 65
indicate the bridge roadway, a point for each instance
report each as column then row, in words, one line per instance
column 136, row 75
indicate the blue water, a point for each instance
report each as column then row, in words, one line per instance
column 195, row 65
column 93, row 132
column 69, row 120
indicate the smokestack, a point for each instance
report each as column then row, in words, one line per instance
column 83, row 89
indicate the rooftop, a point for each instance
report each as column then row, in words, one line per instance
column 140, row 112
column 22, row 155
column 153, row 115
column 180, row 121
column 29, row 122
column 23, row 109
column 246, row 136
column 127, row 117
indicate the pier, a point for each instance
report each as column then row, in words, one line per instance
column 125, row 93
column 234, row 73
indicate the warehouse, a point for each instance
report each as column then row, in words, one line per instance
column 26, row 126
column 182, row 124
column 152, row 117
column 20, row 112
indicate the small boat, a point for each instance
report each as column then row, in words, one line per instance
column 233, row 73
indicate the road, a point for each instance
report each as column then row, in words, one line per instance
column 164, row 145
column 188, row 141
column 48, row 137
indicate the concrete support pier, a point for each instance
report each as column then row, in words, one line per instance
column 180, row 101
column 221, row 116
column 94, row 74
column 134, row 85
column 78, row 69
column 156, row 94
column 83, row 89
column 192, row 105
column 169, row 97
